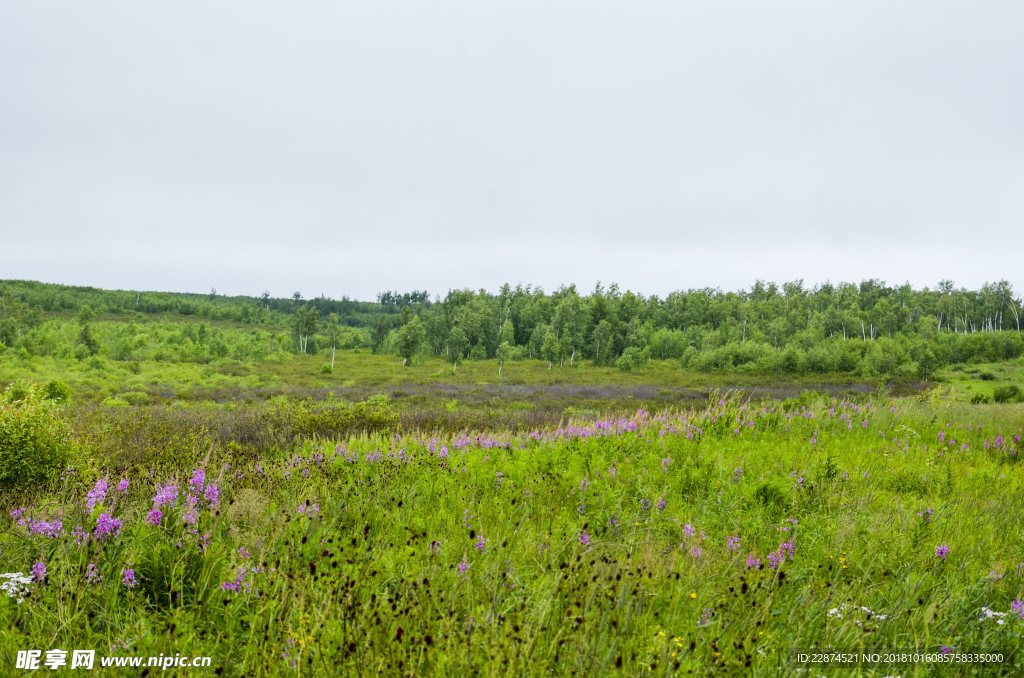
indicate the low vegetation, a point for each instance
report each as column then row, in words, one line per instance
column 329, row 539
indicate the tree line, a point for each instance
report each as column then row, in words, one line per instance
column 866, row 328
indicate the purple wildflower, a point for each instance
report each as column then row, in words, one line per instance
column 122, row 487
column 463, row 566
column 946, row 649
column 585, row 539
column 52, row 529
column 239, row 582
column 696, row 551
column 154, row 516
column 942, row 550
column 688, row 530
column 96, row 494
column 39, row 571
column 480, row 544
column 705, row 619
column 128, row 577
column 1017, row 607
column 776, row 558
column 753, row 562
column 198, row 480
column 662, row 504
column 212, row 492
column 92, row 574
column 106, row 527
column 733, row 543
column 166, row 495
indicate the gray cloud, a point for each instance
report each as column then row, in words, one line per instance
column 346, row 148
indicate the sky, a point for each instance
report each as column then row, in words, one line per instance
column 346, row 148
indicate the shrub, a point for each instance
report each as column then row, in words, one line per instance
column 987, row 376
column 631, row 358
column 36, row 443
column 979, row 399
column 135, row 397
column 1007, row 394
column 333, row 420
column 17, row 391
column 57, row 390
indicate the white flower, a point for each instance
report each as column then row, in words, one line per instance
column 992, row 614
column 15, row 585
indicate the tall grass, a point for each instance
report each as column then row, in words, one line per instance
column 716, row 541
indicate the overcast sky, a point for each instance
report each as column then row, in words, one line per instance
column 346, row 148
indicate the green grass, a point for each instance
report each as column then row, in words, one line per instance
column 984, row 378
column 97, row 378
column 581, row 571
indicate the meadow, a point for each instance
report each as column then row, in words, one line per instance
column 514, row 484
column 711, row 537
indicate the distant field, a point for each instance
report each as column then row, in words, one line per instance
column 362, row 370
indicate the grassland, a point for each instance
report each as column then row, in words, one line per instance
column 359, row 371
column 710, row 539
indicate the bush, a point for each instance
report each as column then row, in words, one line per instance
column 631, row 358
column 135, row 397
column 1007, row 394
column 35, row 440
column 334, row 420
column 57, row 390
column 987, row 376
column 17, row 391
column 979, row 399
